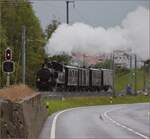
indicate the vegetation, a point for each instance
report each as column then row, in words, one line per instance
column 17, row 13
column 56, row 105
column 107, row 64
column 14, row 15
column 64, row 58
column 51, row 28
column 123, row 78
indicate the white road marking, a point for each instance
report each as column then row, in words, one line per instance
column 123, row 126
column 53, row 128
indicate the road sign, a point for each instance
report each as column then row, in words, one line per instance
column 8, row 54
column 8, row 66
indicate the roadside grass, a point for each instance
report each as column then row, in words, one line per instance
column 57, row 105
column 122, row 80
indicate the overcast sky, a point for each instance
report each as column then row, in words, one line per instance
column 93, row 12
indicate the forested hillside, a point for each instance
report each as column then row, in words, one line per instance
column 13, row 15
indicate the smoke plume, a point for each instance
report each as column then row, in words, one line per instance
column 133, row 33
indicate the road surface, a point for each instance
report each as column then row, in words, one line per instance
column 126, row 121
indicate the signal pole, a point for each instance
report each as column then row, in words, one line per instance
column 8, row 79
column 23, row 54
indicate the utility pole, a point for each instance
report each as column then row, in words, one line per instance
column 67, row 10
column 135, row 76
column 1, row 54
column 113, row 72
column 131, row 71
column 23, row 54
column 131, row 61
column 147, row 74
column 83, row 60
column 144, row 71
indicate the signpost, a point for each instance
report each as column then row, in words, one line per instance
column 8, row 65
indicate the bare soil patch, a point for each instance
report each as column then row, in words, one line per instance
column 16, row 92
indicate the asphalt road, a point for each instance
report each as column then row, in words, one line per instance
column 127, row 121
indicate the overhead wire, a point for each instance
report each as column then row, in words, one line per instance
column 80, row 15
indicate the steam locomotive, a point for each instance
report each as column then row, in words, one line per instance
column 55, row 76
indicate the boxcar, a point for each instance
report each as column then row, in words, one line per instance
column 83, row 78
column 95, row 78
column 107, row 80
column 71, row 76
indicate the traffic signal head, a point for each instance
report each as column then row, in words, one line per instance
column 8, row 66
column 8, row 54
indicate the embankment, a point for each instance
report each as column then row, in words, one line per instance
column 22, row 113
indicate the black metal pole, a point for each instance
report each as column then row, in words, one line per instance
column 131, row 70
column 130, row 62
column 144, row 72
column 135, row 79
column 113, row 70
column 67, row 12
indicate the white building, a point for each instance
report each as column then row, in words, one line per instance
column 122, row 58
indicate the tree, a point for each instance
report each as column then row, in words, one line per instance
column 64, row 58
column 3, row 42
column 51, row 28
column 15, row 14
column 106, row 64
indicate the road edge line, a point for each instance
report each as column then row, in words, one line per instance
column 53, row 128
column 122, row 125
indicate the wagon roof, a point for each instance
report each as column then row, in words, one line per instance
column 83, row 68
column 107, row 69
column 95, row 69
column 71, row 67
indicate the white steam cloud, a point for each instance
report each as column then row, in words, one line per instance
column 133, row 33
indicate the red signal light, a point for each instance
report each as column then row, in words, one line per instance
column 8, row 54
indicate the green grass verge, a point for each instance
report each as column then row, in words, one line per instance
column 122, row 80
column 57, row 105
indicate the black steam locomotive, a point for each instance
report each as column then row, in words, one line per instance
column 56, row 76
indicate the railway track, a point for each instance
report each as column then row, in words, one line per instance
column 61, row 95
